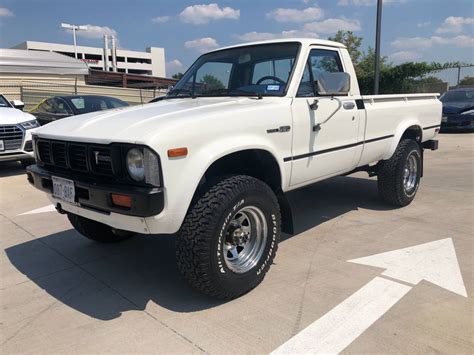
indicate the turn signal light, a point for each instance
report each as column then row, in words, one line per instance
column 177, row 152
column 122, row 200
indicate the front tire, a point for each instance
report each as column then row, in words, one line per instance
column 229, row 237
column 97, row 231
column 399, row 177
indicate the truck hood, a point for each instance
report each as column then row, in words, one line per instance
column 9, row 115
column 135, row 124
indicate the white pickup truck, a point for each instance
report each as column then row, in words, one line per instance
column 212, row 160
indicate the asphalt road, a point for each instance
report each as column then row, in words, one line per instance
column 63, row 293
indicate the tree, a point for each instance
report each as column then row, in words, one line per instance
column 212, row 83
column 177, row 76
column 351, row 41
column 467, row 81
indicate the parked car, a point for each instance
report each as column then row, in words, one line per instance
column 212, row 161
column 15, row 132
column 458, row 109
column 58, row 107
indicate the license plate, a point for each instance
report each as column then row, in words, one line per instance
column 2, row 145
column 63, row 189
column 444, row 119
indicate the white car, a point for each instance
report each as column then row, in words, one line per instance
column 15, row 132
column 212, row 161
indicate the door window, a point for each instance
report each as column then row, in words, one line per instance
column 320, row 61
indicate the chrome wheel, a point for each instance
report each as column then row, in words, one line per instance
column 245, row 239
column 410, row 174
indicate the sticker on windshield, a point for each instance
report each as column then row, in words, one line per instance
column 273, row 87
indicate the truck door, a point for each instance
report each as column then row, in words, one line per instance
column 331, row 148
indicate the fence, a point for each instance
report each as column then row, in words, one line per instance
column 33, row 92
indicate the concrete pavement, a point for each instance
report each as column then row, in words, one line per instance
column 63, row 293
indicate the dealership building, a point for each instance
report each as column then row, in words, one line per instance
column 150, row 62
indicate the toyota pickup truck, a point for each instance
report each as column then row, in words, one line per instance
column 212, row 160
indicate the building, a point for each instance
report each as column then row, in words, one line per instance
column 151, row 62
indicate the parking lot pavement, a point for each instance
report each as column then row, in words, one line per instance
column 63, row 293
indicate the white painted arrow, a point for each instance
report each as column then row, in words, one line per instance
column 435, row 262
column 49, row 208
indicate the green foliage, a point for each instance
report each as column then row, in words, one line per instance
column 394, row 79
column 351, row 41
column 467, row 81
column 212, row 82
column 177, row 76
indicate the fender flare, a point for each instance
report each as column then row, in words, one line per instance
column 399, row 132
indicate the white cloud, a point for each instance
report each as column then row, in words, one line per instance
column 454, row 24
column 295, row 15
column 423, row 24
column 173, row 66
column 404, row 56
column 367, row 2
column 4, row 12
column 262, row 36
column 202, row 44
column 202, row 14
column 161, row 19
column 332, row 25
column 96, row 31
column 420, row 43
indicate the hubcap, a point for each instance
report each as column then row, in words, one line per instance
column 410, row 173
column 245, row 239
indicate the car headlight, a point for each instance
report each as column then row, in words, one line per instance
column 30, row 124
column 143, row 165
column 470, row 112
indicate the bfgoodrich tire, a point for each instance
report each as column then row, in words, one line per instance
column 399, row 176
column 229, row 237
column 96, row 231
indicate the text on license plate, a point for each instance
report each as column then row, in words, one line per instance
column 63, row 189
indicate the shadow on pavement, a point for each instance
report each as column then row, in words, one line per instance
column 12, row 168
column 103, row 281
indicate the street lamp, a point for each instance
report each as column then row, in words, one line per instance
column 74, row 28
column 377, row 47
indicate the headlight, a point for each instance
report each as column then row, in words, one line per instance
column 30, row 124
column 470, row 112
column 135, row 164
column 143, row 165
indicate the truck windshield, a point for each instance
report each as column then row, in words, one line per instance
column 4, row 102
column 260, row 70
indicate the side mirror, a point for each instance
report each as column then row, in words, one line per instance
column 333, row 84
column 18, row 104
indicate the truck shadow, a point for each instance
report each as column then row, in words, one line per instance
column 103, row 281
column 11, row 169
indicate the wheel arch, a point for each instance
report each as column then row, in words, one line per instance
column 256, row 162
column 410, row 129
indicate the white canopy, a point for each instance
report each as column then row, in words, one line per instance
column 39, row 62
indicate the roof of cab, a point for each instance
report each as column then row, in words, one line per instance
column 303, row 41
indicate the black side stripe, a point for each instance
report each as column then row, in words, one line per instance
column 431, row 127
column 310, row 154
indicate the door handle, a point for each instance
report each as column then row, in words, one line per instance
column 348, row 105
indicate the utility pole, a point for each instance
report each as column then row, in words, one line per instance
column 377, row 47
column 106, row 53
column 74, row 28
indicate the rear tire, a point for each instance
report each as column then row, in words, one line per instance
column 97, row 231
column 229, row 237
column 399, row 177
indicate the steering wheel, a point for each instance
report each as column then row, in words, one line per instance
column 270, row 77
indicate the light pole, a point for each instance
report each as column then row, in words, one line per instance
column 377, row 47
column 74, row 28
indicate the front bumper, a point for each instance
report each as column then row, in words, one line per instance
column 90, row 195
column 457, row 122
column 15, row 156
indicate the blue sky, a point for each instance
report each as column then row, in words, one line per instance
column 421, row 30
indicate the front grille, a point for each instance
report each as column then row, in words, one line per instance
column 79, row 157
column 12, row 137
